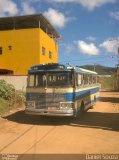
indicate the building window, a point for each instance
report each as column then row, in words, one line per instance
column 50, row 55
column 0, row 50
column 9, row 48
column 43, row 51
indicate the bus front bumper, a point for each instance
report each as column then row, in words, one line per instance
column 49, row 112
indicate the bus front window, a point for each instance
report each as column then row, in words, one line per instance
column 42, row 80
column 59, row 79
column 37, row 80
column 50, row 79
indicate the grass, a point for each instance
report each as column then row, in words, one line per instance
column 4, row 106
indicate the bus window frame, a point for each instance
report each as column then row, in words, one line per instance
column 86, row 79
column 69, row 81
column 45, row 82
column 29, row 79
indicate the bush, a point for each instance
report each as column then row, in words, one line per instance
column 4, row 106
column 18, row 98
column 9, row 97
column 7, row 91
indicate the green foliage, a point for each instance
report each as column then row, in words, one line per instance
column 4, row 106
column 9, row 97
column 6, row 90
column 18, row 98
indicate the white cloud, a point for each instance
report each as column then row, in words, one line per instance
column 8, row 8
column 92, row 4
column 91, row 38
column 111, row 45
column 56, row 18
column 89, row 4
column 27, row 8
column 67, row 47
column 87, row 48
column 115, row 15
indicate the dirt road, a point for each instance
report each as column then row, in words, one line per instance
column 96, row 132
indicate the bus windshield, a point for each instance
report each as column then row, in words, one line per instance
column 50, row 79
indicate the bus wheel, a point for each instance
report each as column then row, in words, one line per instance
column 94, row 99
column 80, row 111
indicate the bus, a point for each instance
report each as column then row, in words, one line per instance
column 59, row 90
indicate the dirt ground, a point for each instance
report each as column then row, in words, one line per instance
column 97, row 131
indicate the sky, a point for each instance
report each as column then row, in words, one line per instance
column 89, row 29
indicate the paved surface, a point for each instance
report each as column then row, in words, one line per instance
column 97, row 131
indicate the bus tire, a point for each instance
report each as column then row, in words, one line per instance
column 80, row 111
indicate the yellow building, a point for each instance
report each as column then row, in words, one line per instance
column 26, row 41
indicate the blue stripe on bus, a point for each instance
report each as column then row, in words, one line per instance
column 74, row 96
column 71, row 96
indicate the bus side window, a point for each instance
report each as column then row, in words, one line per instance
column 90, row 79
column 78, row 79
column 85, row 79
column 31, row 80
column 93, row 79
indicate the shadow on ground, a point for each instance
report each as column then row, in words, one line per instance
column 106, row 121
column 109, row 99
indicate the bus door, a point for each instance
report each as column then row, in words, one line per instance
column 41, row 90
column 46, row 91
column 52, row 97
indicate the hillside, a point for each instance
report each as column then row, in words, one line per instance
column 107, row 83
column 101, row 70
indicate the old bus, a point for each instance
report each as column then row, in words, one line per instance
column 59, row 90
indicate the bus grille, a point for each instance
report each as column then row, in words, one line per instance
column 42, row 101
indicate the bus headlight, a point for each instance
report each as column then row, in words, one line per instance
column 30, row 104
column 66, row 105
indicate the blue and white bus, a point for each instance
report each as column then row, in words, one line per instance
column 59, row 90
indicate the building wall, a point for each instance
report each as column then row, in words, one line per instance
column 24, row 52
column 19, row 82
column 26, row 49
column 50, row 46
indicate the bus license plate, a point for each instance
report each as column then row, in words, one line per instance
column 52, row 107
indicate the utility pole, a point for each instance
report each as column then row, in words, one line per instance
column 117, row 66
column 94, row 67
column 118, row 70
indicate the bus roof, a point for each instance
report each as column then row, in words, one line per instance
column 47, row 67
column 87, row 71
column 58, row 67
column 82, row 70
